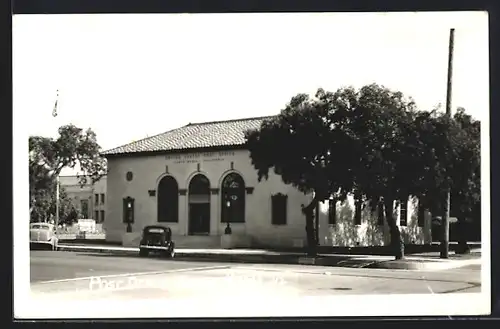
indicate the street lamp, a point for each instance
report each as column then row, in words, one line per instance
column 129, row 212
column 228, row 227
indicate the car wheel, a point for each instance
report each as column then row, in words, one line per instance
column 170, row 253
column 143, row 252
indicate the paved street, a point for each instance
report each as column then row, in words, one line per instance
column 110, row 276
column 49, row 265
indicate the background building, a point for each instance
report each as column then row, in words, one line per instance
column 89, row 199
column 196, row 178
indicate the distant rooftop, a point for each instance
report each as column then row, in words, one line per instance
column 193, row 136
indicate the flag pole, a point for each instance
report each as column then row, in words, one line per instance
column 57, row 202
column 56, row 223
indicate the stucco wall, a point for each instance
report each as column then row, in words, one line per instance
column 76, row 192
column 148, row 171
column 369, row 233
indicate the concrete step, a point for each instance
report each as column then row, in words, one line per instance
column 197, row 241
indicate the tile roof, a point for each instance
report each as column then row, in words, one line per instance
column 193, row 136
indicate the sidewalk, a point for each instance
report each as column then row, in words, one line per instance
column 423, row 261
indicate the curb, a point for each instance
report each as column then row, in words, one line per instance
column 432, row 265
column 220, row 257
column 179, row 255
column 119, row 251
column 354, row 262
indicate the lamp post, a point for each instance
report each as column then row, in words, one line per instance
column 129, row 216
column 129, row 224
column 228, row 229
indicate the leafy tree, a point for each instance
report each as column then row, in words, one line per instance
column 450, row 160
column 466, row 186
column 48, row 156
column 45, row 206
column 457, row 165
column 302, row 145
column 41, row 204
column 371, row 142
column 338, row 143
column 386, row 172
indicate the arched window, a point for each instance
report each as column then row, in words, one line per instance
column 233, row 199
column 168, row 200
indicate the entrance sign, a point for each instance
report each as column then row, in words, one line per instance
column 199, row 157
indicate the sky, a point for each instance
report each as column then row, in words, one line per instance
column 129, row 76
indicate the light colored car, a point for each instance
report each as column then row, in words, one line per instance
column 43, row 235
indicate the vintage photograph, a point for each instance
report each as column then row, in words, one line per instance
column 248, row 165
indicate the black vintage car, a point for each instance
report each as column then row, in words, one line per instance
column 156, row 238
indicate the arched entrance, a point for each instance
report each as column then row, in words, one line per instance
column 233, row 199
column 199, row 205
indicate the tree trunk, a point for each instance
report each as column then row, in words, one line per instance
column 308, row 211
column 462, row 247
column 397, row 245
column 316, row 224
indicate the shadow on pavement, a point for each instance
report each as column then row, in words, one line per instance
column 90, row 242
column 332, row 260
column 40, row 247
column 375, row 250
column 115, row 255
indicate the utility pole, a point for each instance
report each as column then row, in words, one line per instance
column 445, row 222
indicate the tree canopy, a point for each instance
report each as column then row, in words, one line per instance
column 372, row 142
column 47, row 157
column 466, row 183
column 44, row 206
column 302, row 144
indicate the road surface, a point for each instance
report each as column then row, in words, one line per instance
column 87, row 271
column 221, row 289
